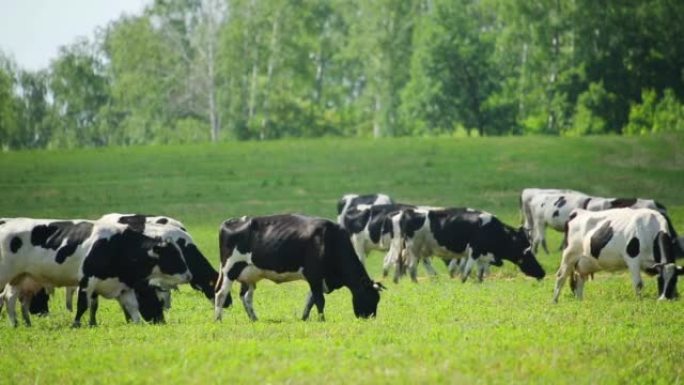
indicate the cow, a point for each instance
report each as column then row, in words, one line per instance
column 204, row 276
column 288, row 247
column 350, row 201
column 101, row 258
column 635, row 239
column 155, row 298
column 373, row 227
column 454, row 233
column 542, row 208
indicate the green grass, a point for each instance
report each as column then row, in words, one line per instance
column 504, row 330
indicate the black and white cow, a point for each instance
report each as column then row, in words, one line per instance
column 552, row 208
column 455, row 233
column 350, row 201
column 101, row 258
column 636, row 239
column 204, row 276
column 375, row 227
column 291, row 247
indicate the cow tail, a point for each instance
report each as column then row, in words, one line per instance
column 663, row 253
column 677, row 248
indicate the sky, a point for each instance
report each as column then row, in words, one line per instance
column 31, row 31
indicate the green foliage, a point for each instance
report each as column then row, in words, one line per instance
column 590, row 104
column 248, row 69
column 656, row 116
column 504, row 330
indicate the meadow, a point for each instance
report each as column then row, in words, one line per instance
column 504, row 330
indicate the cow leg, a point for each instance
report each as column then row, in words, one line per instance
column 130, row 303
column 567, row 269
column 25, row 313
column 94, row 304
column 412, row 264
column 247, row 295
column 11, row 295
column 427, row 264
column 635, row 271
column 579, row 285
column 315, row 298
column 70, row 297
column 482, row 268
column 453, row 267
column 471, row 260
column 127, row 315
column 223, row 293
column 82, row 303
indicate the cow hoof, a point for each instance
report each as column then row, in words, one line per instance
column 75, row 325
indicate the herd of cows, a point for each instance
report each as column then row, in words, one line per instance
column 137, row 259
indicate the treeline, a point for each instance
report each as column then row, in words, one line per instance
column 200, row 70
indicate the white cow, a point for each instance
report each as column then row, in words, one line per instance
column 635, row 239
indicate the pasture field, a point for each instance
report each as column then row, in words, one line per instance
column 505, row 330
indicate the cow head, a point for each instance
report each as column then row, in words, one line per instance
column 365, row 300
column 667, row 279
column 204, row 276
column 525, row 258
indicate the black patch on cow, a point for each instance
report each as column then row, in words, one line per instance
column 55, row 234
column 659, row 205
column 585, row 203
column 15, row 244
column 162, row 221
column 356, row 220
column 555, row 214
column 236, row 269
column 560, row 202
column 65, row 251
column 2, row 222
column 170, row 259
column 123, row 256
column 411, row 221
column 633, row 247
column 135, row 222
column 622, row 202
column 600, row 238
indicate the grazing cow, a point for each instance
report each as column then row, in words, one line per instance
column 456, row 233
column 290, row 247
column 101, row 258
column 636, row 239
column 373, row 228
column 153, row 300
column 204, row 276
column 542, row 208
column 350, row 201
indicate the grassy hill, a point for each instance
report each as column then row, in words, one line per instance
column 504, row 330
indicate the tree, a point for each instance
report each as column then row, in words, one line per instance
column 80, row 88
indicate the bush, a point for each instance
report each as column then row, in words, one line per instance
column 656, row 116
